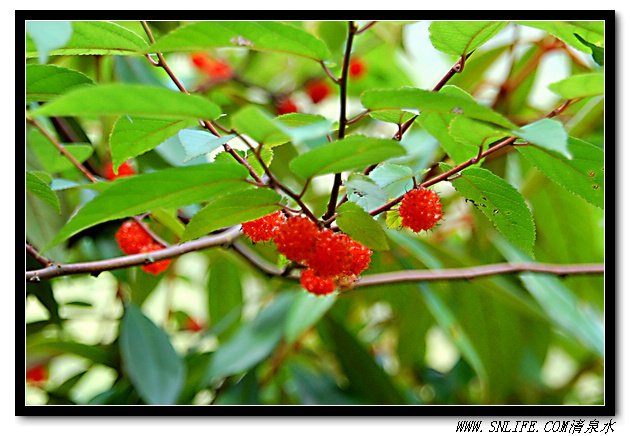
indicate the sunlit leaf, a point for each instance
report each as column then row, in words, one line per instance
column 461, row 37
column 43, row 37
column 361, row 226
column 47, row 82
column 546, row 133
column 580, row 85
column 39, row 188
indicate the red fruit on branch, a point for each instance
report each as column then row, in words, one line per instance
column 296, row 238
column 420, row 209
column 315, row 284
column 318, row 90
column 357, row 68
column 158, row 267
column 360, row 257
column 263, row 229
column 132, row 237
column 286, row 106
column 331, row 256
column 213, row 68
column 124, row 170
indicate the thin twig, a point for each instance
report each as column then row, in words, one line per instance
column 38, row 257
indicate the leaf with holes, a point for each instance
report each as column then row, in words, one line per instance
column 500, row 202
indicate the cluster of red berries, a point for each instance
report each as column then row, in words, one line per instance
column 124, row 170
column 132, row 238
column 420, row 209
column 333, row 259
column 215, row 69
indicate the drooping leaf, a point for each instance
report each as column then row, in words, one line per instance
column 500, row 202
column 546, row 133
column 252, row 35
column 225, row 211
column 198, row 143
column 169, row 188
column 47, row 82
column 361, row 226
column 132, row 137
column 461, row 37
column 43, row 37
column 259, row 125
column 597, row 51
column 580, row 85
column 350, row 153
column 592, row 31
column 132, row 100
column 430, row 101
column 583, row 175
column 88, row 38
column 152, row 364
column 306, row 311
column 252, row 342
column 39, row 188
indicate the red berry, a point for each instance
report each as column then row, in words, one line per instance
column 131, row 237
column 37, row 374
column 286, row 106
column 158, row 267
column 214, row 68
column 124, row 170
column 296, row 238
column 360, row 257
column 357, row 68
column 192, row 325
column 315, row 284
column 331, row 256
column 262, row 229
column 200, row 59
column 420, row 209
column 317, row 90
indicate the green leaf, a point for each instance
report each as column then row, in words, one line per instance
column 583, row 175
column 259, row 125
column 592, row 31
column 597, row 51
column 253, row 341
column 266, row 155
column 546, row 133
column 393, row 178
column 226, row 211
column 225, row 291
column 301, row 128
column 253, row 35
column 365, row 377
column 461, row 37
column 350, row 153
column 39, row 188
column 49, row 156
column 90, row 38
column 561, row 306
column 165, row 189
column 392, row 116
column 154, row 368
column 47, row 82
column 501, row 203
column 132, row 137
column 198, row 143
column 364, row 191
column 132, row 100
column 361, row 226
column 474, row 133
column 96, row 353
column 579, row 85
column 305, row 311
column 430, row 101
column 46, row 36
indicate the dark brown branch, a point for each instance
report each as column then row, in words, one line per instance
column 99, row 266
column 478, row 271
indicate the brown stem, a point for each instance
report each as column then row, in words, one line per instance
column 35, row 255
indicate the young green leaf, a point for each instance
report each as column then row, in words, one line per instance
column 592, row 31
column 500, row 202
column 546, row 133
column 350, row 153
column 89, row 38
column 580, row 85
column 583, row 175
column 430, row 101
column 361, row 226
column 152, row 364
column 169, row 188
column 266, row 155
column 47, row 82
column 461, row 37
column 229, row 210
column 256, row 123
column 39, row 188
column 132, row 100
column 198, row 142
column 597, row 51
column 132, row 137
column 252, row 35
